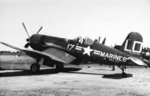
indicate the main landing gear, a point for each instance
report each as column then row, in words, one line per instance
column 59, row 67
column 35, row 68
column 113, row 67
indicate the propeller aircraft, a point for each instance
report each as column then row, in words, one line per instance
column 56, row 51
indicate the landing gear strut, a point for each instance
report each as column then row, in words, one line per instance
column 113, row 67
column 123, row 70
column 123, row 73
column 59, row 67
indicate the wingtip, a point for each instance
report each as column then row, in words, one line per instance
column 8, row 45
column 2, row 43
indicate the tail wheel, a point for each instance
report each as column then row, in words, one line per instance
column 35, row 68
column 59, row 67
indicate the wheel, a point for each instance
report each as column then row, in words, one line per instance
column 59, row 67
column 35, row 68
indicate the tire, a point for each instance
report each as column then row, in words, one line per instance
column 35, row 68
column 59, row 67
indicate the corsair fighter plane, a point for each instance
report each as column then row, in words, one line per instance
column 56, row 51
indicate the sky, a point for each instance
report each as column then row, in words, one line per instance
column 113, row 19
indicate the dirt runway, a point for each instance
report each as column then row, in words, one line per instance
column 76, row 81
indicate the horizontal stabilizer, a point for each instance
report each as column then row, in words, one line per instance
column 138, row 61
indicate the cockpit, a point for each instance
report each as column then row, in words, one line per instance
column 84, row 41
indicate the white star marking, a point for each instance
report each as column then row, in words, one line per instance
column 87, row 50
column 147, row 54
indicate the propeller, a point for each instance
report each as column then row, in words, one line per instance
column 27, row 45
column 26, row 29
column 39, row 30
column 28, row 39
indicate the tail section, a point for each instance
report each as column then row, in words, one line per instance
column 133, row 44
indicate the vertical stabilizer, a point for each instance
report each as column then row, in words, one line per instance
column 133, row 43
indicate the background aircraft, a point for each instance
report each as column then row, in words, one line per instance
column 56, row 51
column 10, row 60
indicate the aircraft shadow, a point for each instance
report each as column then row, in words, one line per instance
column 65, row 70
column 84, row 73
column 108, row 76
column 104, row 69
column 117, row 76
column 41, row 72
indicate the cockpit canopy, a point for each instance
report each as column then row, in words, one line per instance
column 84, row 41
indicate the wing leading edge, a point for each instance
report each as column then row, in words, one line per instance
column 44, row 54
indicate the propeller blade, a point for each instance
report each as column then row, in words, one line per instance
column 26, row 29
column 104, row 41
column 27, row 45
column 39, row 30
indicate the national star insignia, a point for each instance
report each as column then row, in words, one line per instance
column 147, row 54
column 87, row 50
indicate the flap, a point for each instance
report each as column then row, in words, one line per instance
column 64, row 56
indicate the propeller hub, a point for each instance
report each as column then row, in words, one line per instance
column 27, row 39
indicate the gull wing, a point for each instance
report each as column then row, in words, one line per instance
column 57, row 55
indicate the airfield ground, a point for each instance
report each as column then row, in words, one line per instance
column 88, row 81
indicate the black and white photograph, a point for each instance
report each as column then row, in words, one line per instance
column 74, row 48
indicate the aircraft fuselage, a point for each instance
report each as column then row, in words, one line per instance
column 96, row 52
